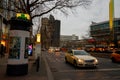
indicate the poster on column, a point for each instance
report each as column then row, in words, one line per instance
column 14, row 47
column 28, row 48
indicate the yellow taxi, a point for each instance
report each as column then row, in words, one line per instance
column 115, row 56
column 80, row 58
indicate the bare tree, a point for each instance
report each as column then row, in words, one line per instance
column 37, row 8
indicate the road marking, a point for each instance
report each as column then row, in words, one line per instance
column 111, row 69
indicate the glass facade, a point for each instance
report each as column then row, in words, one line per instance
column 101, row 31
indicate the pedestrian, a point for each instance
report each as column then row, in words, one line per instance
column 2, row 50
column 37, row 63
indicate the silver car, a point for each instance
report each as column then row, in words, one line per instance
column 81, row 58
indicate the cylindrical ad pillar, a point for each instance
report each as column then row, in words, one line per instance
column 19, row 41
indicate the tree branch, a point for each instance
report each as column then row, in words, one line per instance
column 38, row 15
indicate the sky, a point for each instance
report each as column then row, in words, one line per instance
column 79, row 23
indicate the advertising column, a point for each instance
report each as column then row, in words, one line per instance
column 18, row 45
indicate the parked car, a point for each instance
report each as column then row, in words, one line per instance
column 80, row 58
column 115, row 56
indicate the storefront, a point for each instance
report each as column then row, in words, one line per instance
column 4, row 29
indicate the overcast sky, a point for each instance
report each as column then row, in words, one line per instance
column 79, row 23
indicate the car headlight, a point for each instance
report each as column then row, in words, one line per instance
column 80, row 60
column 96, row 61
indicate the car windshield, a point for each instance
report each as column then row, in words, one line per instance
column 78, row 52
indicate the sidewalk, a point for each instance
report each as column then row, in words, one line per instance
column 44, row 72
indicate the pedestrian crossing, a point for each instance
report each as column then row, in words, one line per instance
column 96, row 78
column 91, row 70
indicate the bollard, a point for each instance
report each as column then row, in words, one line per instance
column 37, row 64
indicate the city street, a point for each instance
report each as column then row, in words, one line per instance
column 35, row 34
column 106, row 70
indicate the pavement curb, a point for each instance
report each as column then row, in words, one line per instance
column 49, row 73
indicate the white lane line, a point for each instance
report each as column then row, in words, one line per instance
column 111, row 69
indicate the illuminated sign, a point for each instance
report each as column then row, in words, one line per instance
column 38, row 37
column 23, row 16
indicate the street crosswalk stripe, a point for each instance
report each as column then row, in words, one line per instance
column 111, row 69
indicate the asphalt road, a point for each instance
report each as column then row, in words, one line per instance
column 106, row 70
